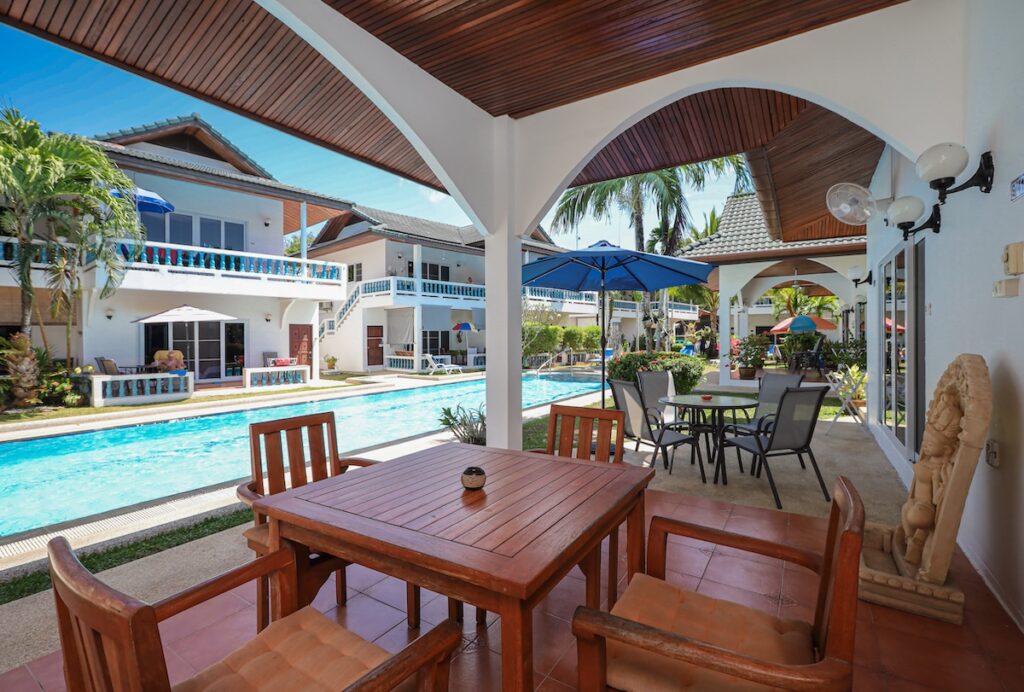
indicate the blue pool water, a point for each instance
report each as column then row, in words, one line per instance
column 54, row 479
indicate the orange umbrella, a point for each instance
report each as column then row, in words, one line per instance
column 888, row 326
column 820, row 324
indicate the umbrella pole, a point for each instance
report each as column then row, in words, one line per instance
column 604, row 340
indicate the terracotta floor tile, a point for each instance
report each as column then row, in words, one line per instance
column 49, row 672
column 923, row 627
column 865, row 648
column 768, row 529
column 200, row 616
column 178, row 669
column 210, row 644
column 393, row 592
column 800, row 585
column 687, row 559
column 753, row 576
column 18, row 680
column 934, row 663
column 478, row 669
column 742, row 596
column 361, row 578
column 564, row 671
column 552, row 638
column 367, row 617
column 865, row 680
column 1010, row 673
column 246, row 591
column 552, row 685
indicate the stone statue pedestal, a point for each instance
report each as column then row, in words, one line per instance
column 882, row 581
column 907, row 566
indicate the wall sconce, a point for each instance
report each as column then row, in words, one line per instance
column 939, row 166
column 905, row 211
column 110, row 313
column 267, row 317
column 855, row 275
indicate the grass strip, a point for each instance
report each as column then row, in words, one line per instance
column 34, row 582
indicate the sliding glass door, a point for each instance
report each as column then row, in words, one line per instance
column 211, row 350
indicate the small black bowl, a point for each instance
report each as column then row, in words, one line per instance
column 473, row 478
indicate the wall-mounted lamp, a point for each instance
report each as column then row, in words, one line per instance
column 856, row 275
column 110, row 313
column 905, row 211
column 939, row 166
column 267, row 317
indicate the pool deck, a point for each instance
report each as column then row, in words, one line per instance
column 27, row 553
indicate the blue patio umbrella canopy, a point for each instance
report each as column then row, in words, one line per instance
column 802, row 323
column 146, row 200
column 604, row 266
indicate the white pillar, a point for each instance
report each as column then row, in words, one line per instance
column 417, row 336
column 743, row 321
column 504, row 280
column 417, row 265
column 724, row 343
column 303, row 230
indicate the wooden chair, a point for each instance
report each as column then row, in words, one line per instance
column 662, row 637
column 571, row 433
column 318, row 433
column 111, row 641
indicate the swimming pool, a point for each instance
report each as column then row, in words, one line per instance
column 55, row 479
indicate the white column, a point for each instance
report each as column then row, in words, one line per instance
column 417, row 336
column 417, row 266
column 743, row 321
column 724, row 344
column 303, row 230
column 504, row 280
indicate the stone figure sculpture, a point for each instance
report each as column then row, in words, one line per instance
column 907, row 566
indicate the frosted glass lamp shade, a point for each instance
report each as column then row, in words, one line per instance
column 855, row 273
column 942, row 162
column 905, row 210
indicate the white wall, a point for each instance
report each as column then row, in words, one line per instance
column 197, row 198
column 961, row 315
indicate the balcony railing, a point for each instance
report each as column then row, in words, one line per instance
column 170, row 258
column 559, row 295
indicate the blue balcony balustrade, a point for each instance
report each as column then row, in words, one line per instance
column 559, row 295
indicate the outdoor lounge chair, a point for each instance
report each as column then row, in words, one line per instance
column 648, row 427
column 445, row 368
column 265, row 445
column 662, row 637
column 111, row 641
column 786, row 432
column 108, row 366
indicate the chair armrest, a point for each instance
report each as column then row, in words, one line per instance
column 261, row 566
column 246, row 492
column 357, row 461
column 537, row 451
column 428, row 653
column 661, row 527
column 765, row 424
column 593, row 627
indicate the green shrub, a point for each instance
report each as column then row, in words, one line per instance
column 592, row 338
column 853, row 353
column 572, row 338
column 687, row 371
column 795, row 343
column 752, row 351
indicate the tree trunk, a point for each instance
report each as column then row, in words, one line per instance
column 42, row 325
column 27, row 252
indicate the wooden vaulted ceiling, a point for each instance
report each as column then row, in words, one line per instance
column 509, row 57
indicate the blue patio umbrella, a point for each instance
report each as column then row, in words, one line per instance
column 146, row 200
column 802, row 323
column 604, row 266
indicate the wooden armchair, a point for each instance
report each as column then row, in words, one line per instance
column 319, row 433
column 662, row 637
column 571, row 433
column 111, row 641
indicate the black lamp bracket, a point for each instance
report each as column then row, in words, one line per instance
column 934, row 223
column 982, row 179
column 866, row 280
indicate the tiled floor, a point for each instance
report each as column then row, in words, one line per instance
column 895, row 650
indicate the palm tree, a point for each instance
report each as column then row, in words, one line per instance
column 792, row 301
column 663, row 189
column 56, row 186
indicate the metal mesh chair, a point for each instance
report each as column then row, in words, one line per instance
column 786, row 432
column 655, row 386
column 769, row 395
column 647, row 426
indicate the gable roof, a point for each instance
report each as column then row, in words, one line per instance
column 743, row 236
column 194, row 126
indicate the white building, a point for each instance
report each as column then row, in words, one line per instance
column 411, row 280
column 221, row 249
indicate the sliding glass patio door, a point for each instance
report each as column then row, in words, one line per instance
column 211, row 350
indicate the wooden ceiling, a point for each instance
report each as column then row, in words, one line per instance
column 510, row 57
column 794, row 170
column 516, row 57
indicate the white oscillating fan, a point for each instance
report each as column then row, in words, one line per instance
column 851, row 203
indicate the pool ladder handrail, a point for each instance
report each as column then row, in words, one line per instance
column 550, row 360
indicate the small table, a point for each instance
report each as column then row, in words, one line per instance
column 717, row 405
column 502, row 548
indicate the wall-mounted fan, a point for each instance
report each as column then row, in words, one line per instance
column 851, row 203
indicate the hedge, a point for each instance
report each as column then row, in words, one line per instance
column 687, row 371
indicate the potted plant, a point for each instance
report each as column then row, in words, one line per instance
column 332, row 362
column 859, row 394
column 750, row 355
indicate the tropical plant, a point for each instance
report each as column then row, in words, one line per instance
column 791, row 301
column 797, row 342
column 687, row 371
column 752, row 351
column 853, row 352
column 572, row 338
column 592, row 338
column 541, row 338
column 292, row 245
column 22, row 365
column 467, row 425
column 56, row 185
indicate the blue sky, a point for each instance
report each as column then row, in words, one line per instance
column 69, row 92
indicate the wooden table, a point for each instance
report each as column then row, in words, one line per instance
column 717, row 405
column 502, row 548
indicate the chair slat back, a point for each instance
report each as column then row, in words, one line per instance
column 110, row 641
column 796, row 417
column 835, row 616
column 566, row 440
column 769, row 394
column 306, row 441
column 627, row 399
column 655, row 386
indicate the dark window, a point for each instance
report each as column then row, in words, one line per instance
column 209, row 233
column 234, row 236
column 355, row 272
column 155, row 225
column 155, row 340
column 436, row 343
column 180, row 229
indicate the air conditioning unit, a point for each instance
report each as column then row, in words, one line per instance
column 326, row 306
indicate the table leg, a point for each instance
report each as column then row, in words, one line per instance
column 636, row 559
column 591, row 567
column 517, row 646
column 719, row 426
column 285, row 591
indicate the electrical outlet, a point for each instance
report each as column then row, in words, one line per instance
column 992, row 453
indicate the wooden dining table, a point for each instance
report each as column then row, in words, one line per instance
column 502, row 548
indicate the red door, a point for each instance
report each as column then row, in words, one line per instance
column 300, row 343
column 374, row 344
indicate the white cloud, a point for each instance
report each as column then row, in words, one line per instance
column 434, row 196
